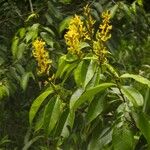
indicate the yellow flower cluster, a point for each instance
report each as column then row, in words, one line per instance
column 83, row 31
column 79, row 31
column 105, row 27
column 42, row 57
column 75, row 35
column 102, row 36
column 89, row 23
column 100, row 51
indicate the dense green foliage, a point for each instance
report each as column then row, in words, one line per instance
column 80, row 103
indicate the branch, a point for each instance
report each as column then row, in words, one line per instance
column 31, row 6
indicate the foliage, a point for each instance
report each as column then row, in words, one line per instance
column 79, row 70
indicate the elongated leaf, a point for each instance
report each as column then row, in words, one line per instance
column 68, row 70
column 80, row 73
column 75, row 96
column 55, row 115
column 37, row 103
column 14, row 46
column 122, row 138
column 64, row 24
column 65, row 123
column 114, row 10
column 61, row 64
column 138, row 78
column 143, row 123
column 146, row 107
column 111, row 69
column 21, row 49
column 77, row 74
column 61, row 122
column 4, row 141
column 49, row 31
column 25, row 79
column 95, row 108
column 91, row 92
column 47, row 38
column 83, row 45
column 32, row 32
column 98, row 142
column 39, row 122
column 28, row 145
column 132, row 95
column 22, row 32
column 90, row 72
column 48, row 112
column 68, row 124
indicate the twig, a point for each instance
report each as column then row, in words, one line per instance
column 31, row 6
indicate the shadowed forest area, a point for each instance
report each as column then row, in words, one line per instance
column 74, row 75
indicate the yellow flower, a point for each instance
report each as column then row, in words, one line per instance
column 100, row 51
column 75, row 35
column 83, row 31
column 89, row 23
column 105, row 27
column 42, row 57
column 102, row 35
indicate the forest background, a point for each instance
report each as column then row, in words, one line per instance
column 74, row 74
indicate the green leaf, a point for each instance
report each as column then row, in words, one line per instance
column 47, row 113
column 56, row 111
column 100, row 139
column 31, row 16
column 21, row 49
column 143, row 123
column 90, row 72
column 68, row 69
column 61, row 64
column 37, row 103
column 83, row 45
column 25, row 79
column 138, row 78
column 53, row 11
column 47, row 38
column 91, row 92
column 4, row 92
column 22, row 32
column 39, row 122
column 113, row 10
column 68, row 124
column 75, row 96
column 111, row 69
column 96, row 78
column 61, row 122
column 32, row 32
column 140, row 2
column 65, row 123
column 95, row 108
column 4, row 140
column 64, row 24
column 146, row 107
column 126, row 9
column 28, row 145
column 77, row 74
column 122, row 138
column 70, row 58
column 14, row 46
column 80, row 73
column 49, row 31
column 132, row 95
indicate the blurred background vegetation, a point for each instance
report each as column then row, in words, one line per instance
column 22, row 21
